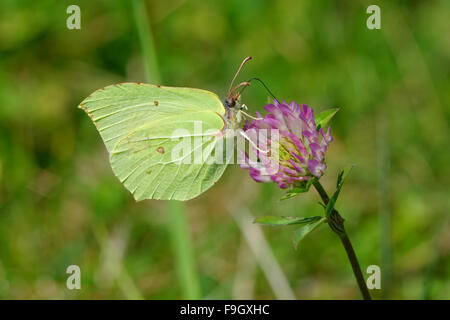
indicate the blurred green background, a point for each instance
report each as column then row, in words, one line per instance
column 60, row 203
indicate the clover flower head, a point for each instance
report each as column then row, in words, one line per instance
column 298, row 152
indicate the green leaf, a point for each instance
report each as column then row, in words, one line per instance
column 340, row 182
column 284, row 221
column 343, row 175
column 302, row 232
column 302, row 187
column 325, row 116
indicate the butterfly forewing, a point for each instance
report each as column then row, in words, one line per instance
column 143, row 127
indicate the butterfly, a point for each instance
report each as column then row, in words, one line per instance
column 137, row 122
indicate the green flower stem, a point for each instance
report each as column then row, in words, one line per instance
column 180, row 240
column 336, row 223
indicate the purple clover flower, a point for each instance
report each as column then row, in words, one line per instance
column 301, row 148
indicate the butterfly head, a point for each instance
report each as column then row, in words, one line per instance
column 232, row 101
column 234, row 116
column 234, row 95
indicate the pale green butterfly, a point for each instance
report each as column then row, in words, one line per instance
column 136, row 122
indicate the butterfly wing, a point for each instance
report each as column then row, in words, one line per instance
column 143, row 126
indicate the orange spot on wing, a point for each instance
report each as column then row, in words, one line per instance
column 161, row 150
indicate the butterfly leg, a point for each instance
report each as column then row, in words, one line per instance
column 247, row 115
column 246, row 137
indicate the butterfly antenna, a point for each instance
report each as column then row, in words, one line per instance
column 264, row 85
column 239, row 70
